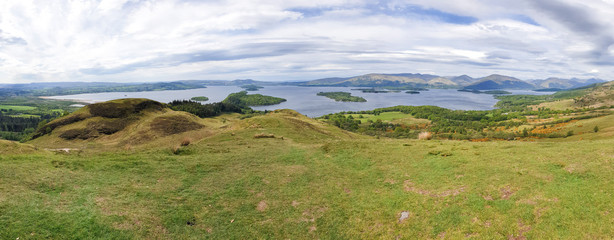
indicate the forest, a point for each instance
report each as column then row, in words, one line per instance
column 205, row 110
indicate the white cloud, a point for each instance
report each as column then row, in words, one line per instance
column 129, row 40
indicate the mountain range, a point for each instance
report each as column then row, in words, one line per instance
column 490, row 82
column 409, row 80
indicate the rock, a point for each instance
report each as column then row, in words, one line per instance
column 404, row 215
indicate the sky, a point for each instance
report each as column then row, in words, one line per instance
column 285, row 40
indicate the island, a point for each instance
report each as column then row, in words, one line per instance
column 251, row 87
column 200, row 99
column 412, row 92
column 342, row 96
column 244, row 99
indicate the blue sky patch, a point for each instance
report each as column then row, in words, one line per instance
column 525, row 19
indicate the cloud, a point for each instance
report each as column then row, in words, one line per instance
column 130, row 40
column 8, row 40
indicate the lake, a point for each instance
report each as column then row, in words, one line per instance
column 305, row 100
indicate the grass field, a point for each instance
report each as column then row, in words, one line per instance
column 315, row 182
column 17, row 108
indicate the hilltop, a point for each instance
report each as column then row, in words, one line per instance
column 118, row 123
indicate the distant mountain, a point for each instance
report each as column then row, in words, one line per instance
column 496, row 81
column 425, row 77
column 462, row 80
column 385, row 80
column 237, row 82
column 561, row 83
column 442, row 82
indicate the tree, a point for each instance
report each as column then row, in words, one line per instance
column 596, row 129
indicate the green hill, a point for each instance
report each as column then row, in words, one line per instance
column 123, row 123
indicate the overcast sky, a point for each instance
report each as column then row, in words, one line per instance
column 275, row 40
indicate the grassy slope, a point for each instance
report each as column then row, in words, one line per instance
column 316, row 182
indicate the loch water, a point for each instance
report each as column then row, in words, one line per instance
column 305, row 101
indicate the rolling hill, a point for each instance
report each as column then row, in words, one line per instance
column 282, row 175
column 119, row 124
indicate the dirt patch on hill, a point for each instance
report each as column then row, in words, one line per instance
column 169, row 125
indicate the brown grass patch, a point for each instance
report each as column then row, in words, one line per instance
column 425, row 136
column 81, row 133
column 262, row 206
column 264, row 135
column 507, row 192
column 186, row 141
column 169, row 125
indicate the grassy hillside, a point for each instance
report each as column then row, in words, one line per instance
column 311, row 180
